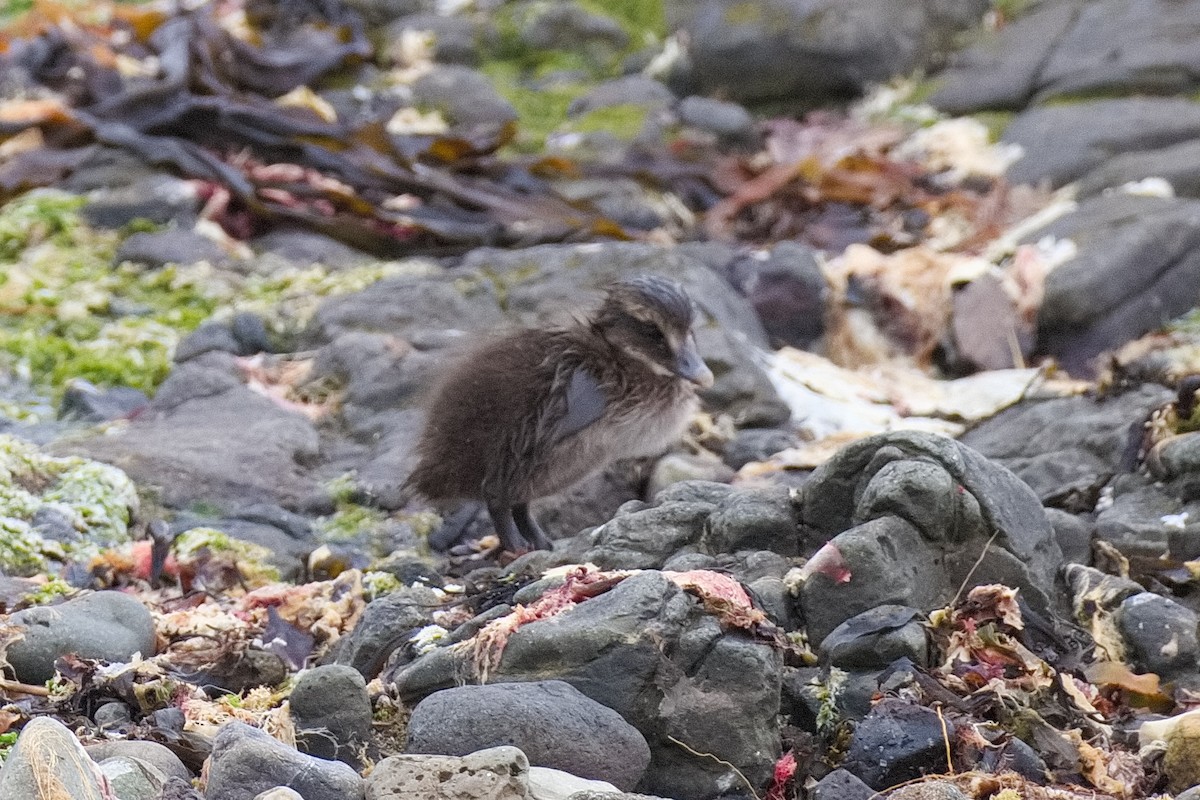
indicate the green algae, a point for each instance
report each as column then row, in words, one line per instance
column 252, row 560
column 98, row 501
column 379, row 584
column 625, row 121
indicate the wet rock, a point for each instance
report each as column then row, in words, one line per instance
column 724, row 687
column 498, row 773
column 758, row 518
column 1137, row 259
column 209, row 337
column 876, row 638
column 897, row 742
column 464, row 96
column 172, row 246
column 133, row 779
column 207, row 437
column 48, row 761
column 550, row 721
column 152, row 753
column 1137, row 522
column 238, row 672
column 1062, row 143
column 1067, row 448
column 386, row 623
column 910, row 514
column 788, row 291
column 726, row 120
column 84, row 401
column 247, row 761
column 161, row 199
column 111, row 626
column 332, row 713
column 1159, row 634
column 1175, row 164
column 1074, row 534
column 841, row 785
column 635, row 90
column 814, row 51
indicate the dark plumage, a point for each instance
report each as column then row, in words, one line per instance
column 531, row 413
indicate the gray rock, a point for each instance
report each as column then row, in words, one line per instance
column 153, row 753
column 636, row 90
column 1067, row 448
column 929, row 790
column 208, row 337
column 157, row 198
column 1003, row 69
column 841, row 785
column 172, row 246
column 757, row 444
column 1134, row 522
column 382, row 11
column 788, row 291
column 1074, row 534
column 332, row 713
column 553, row 784
column 569, row 26
column 876, row 638
column 811, row 50
column 279, row 793
column 498, row 773
column 464, row 96
column 1160, row 634
column 305, row 248
column 1175, row 164
column 247, row 761
column 111, row 626
column 727, row 120
column 645, row 539
column 457, row 39
column 84, row 401
column 132, row 778
column 386, row 623
column 757, row 518
column 207, row 437
column 287, row 554
column 550, row 721
column 895, row 743
column 1137, row 262
column 895, row 504
column 724, row 688
column 48, row 761
column 1062, row 143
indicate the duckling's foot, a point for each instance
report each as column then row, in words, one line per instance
column 506, row 528
column 529, row 528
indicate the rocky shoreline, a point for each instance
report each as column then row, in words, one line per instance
column 933, row 535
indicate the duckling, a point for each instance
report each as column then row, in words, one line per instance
column 531, row 413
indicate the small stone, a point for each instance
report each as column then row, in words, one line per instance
column 247, row 761
column 630, row 90
column 110, row 625
column 250, row 331
column 84, row 401
column 279, row 793
column 464, row 96
column 151, row 753
column 498, row 773
column 727, row 120
column 876, row 638
column 172, row 246
column 158, row 198
column 386, row 624
column 897, row 742
column 132, row 778
column 209, row 337
column 759, row 518
column 48, row 761
column 1160, row 634
column 928, row 790
column 332, row 713
column 552, row 722
column 756, row 444
column 111, row 717
column 841, row 785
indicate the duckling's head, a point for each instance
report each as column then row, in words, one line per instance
column 650, row 319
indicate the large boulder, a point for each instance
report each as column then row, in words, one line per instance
column 914, row 515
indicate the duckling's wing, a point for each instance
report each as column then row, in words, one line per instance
column 585, row 402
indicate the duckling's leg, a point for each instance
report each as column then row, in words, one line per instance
column 506, row 528
column 529, row 528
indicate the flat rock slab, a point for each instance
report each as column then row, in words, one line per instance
column 497, row 773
